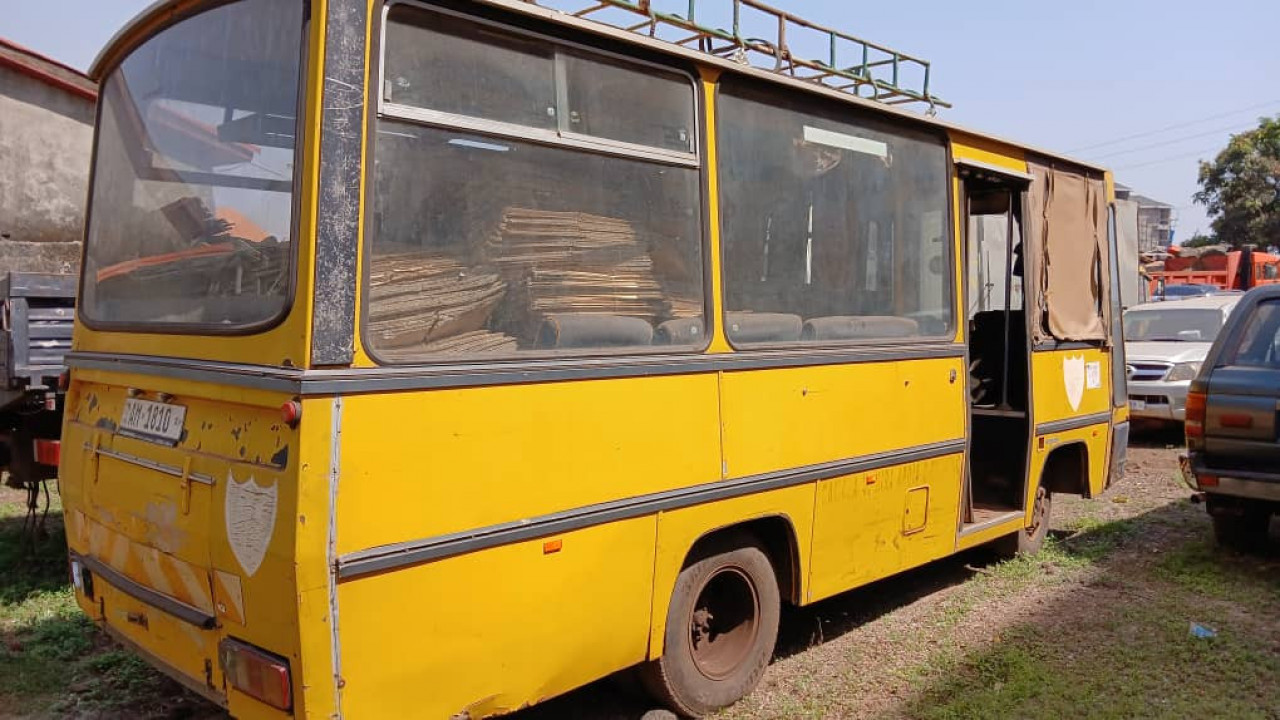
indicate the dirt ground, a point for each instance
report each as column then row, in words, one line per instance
column 1097, row 626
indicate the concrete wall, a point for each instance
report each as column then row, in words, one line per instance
column 46, row 136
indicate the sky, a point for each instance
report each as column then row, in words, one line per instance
column 1145, row 87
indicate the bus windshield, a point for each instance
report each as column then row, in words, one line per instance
column 191, row 214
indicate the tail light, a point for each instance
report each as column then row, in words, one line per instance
column 48, row 452
column 257, row 673
column 1194, row 423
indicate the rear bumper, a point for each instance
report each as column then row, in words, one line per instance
column 1158, row 400
column 158, row 663
column 171, row 635
column 1235, row 483
column 137, row 591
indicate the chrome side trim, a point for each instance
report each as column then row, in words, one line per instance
column 1075, row 423
column 150, row 464
column 415, row 552
column 424, row 377
column 335, row 463
column 521, row 133
column 259, row 377
column 137, row 591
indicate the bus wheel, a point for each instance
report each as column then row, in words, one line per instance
column 721, row 628
column 1030, row 539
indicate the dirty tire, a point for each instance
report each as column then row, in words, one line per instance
column 1243, row 533
column 721, row 628
column 1029, row 540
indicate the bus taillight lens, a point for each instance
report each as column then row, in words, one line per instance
column 1194, row 423
column 257, row 673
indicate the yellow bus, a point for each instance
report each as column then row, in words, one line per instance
column 433, row 359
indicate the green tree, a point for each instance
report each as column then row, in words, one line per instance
column 1199, row 240
column 1241, row 187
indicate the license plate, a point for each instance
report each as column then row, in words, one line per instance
column 147, row 420
column 1137, row 404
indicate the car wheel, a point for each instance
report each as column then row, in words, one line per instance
column 1245, row 532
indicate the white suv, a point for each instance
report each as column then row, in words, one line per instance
column 1165, row 342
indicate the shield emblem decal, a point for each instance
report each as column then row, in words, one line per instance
column 1073, row 379
column 251, row 520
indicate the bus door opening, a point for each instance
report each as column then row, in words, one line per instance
column 998, row 351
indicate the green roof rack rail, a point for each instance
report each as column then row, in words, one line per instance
column 849, row 64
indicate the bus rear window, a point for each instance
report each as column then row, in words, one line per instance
column 191, row 214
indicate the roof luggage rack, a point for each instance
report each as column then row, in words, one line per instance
column 851, row 64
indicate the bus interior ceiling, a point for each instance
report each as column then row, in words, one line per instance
column 998, row 349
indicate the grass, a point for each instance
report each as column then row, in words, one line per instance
column 1110, row 635
column 53, row 661
column 1095, row 626
column 1203, row 568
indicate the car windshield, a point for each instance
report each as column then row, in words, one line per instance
column 191, row 213
column 1173, row 324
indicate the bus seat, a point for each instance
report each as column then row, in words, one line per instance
column 858, row 327
column 752, row 327
column 586, row 330
column 681, row 331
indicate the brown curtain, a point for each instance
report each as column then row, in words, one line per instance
column 1067, row 273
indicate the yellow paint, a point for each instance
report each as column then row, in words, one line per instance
column 871, row 525
column 499, row 629
column 129, row 517
column 1049, row 372
column 719, row 342
column 986, row 150
column 788, row 418
column 495, row 629
column 1096, row 440
column 477, row 457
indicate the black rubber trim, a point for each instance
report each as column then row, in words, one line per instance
column 1052, row 345
column 1075, row 423
column 142, row 593
column 381, row 379
column 415, row 552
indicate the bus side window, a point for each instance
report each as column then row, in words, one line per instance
column 518, row 216
column 838, row 220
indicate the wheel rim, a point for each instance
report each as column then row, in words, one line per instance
column 724, row 623
column 1038, row 512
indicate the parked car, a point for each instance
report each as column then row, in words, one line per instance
column 1184, row 290
column 1232, row 422
column 1165, row 343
